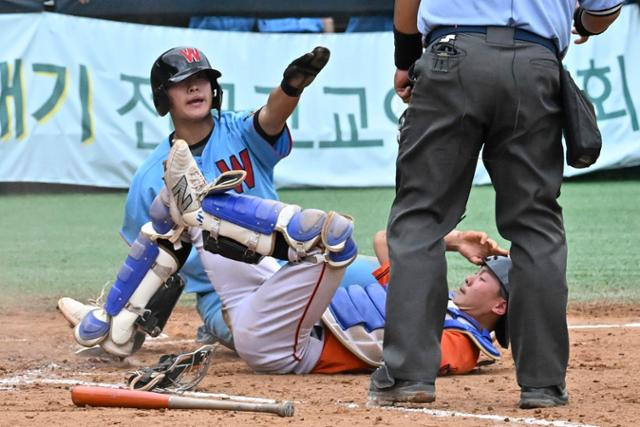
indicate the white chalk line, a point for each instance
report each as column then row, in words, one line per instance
column 12, row 383
column 439, row 413
column 31, row 377
column 96, row 350
column 606, row 326
column 7, row 384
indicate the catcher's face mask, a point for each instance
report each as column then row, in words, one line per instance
column 174, row 373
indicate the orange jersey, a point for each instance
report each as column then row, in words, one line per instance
column 459, row 353
column 382, row 274
column 459, row 356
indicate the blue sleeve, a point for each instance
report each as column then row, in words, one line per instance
column 604, row 7
column 266, row 153
column 136, row 208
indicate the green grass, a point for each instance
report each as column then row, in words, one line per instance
column 68, row 243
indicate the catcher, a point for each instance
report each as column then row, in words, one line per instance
column 186, row 86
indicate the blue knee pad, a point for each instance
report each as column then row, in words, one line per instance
column 252, row 213
column 349, row 251
column 141, row 258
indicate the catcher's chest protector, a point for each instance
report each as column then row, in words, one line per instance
column 356, row 318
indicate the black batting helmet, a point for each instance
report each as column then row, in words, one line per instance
column 176, row 65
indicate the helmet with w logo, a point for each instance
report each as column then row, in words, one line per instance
column 176, row 65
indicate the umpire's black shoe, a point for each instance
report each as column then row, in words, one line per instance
column 385, row 390
column 543, row 397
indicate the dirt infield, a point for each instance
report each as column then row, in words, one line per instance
column 39, row 366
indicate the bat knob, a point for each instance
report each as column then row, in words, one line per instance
column 286, row 409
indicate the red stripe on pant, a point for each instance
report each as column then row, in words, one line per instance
column 306, row 308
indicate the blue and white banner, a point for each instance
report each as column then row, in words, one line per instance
column 76, row 108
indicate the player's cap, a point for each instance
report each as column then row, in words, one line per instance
column 176, row 65
column 500, row 267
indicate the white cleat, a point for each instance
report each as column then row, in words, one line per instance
column 184, row 179
column 187, row 186
column 75, row 312
column 72, row 310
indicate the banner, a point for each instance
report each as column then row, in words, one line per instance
column 76, row 106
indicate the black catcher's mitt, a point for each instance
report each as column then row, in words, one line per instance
column 174, row 373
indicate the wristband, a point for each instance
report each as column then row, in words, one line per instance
column 408, row 48
column 289, row 90
column 577, row 23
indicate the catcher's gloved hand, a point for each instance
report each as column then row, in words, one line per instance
column 301, row 72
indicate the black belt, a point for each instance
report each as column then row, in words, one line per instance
column 518, row 34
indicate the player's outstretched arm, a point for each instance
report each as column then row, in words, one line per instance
column 283, row 99
column 473, row 245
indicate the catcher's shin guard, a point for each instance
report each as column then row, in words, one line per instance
column 161, row 305
column 147, row 267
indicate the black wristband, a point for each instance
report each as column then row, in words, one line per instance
column 408, row 48
column 577, row 23
column 290, row 90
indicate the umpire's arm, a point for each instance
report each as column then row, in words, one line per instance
column 593, row 22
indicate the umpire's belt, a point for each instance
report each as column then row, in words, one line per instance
column 518, row 34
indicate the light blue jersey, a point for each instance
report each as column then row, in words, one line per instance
column 551, row 19
column 234, row 144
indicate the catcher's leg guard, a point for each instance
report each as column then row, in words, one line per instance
column 245, row 228
column 146, row 268
column 161, row 305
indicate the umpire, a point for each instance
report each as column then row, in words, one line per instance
column 488, row 78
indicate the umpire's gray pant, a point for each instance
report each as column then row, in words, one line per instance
column 505, row 97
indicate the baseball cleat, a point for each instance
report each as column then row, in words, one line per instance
column 187, row 186
column 184, row 180
column 93, row 328
column 72, row 310
column 385, row 390
column 543, row 397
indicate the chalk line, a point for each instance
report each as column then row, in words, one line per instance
column 438, row 413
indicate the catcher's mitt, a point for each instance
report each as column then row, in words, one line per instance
column 174, row 373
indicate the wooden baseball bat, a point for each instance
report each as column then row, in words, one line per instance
column 124, row 398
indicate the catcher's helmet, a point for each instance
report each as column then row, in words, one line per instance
column 176, row 65
column 500, row 266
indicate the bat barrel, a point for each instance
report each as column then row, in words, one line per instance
column 114, row 397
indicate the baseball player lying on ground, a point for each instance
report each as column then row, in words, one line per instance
column 274, row 312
